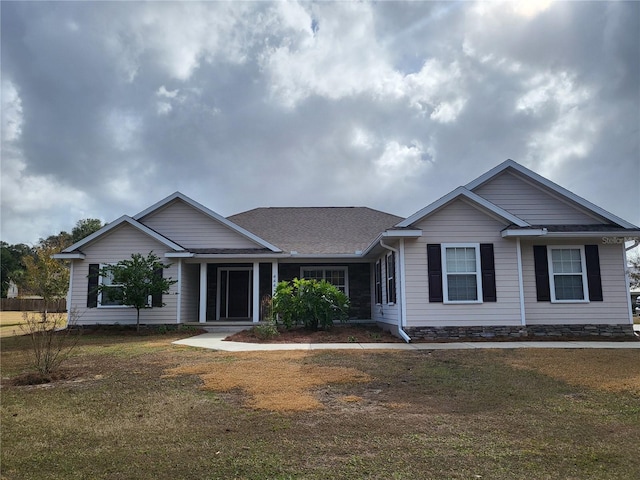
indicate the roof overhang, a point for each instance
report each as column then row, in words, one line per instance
column 69, row 256
column 544, row 232
column 392, row 234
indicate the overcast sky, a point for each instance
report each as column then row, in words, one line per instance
column 108, row 107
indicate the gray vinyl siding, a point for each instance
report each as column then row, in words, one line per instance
column 190, row 292
column 531, row 203
column 459, row 222
column 191, row 228
column 614, row 309
column 385, row 312
column 118, row 245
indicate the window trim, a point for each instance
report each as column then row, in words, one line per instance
column 445, row 273
column 583, row 273
column 324, row 269
column 101, row 282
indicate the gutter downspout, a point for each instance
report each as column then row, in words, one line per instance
column 635, row 244
column 400, row 280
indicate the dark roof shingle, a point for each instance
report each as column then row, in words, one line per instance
column 317, row 230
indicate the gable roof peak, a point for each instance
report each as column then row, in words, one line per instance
column 549, row 185
column 210, row 213
column 463, row 192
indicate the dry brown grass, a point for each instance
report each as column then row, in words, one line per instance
column 607, row 370
column 10, row 323
column 275, row 381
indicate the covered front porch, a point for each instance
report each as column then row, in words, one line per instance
column 237, row 291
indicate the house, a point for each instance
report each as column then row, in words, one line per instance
column 509, row 254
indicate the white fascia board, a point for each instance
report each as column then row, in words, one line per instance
column 466, row 193
column 413, row 233
column 179, row 254
column 629, row 235
column 514, row 232
column 239, row 255
column 116, row 223
column 69, row 256
column 211, row 214
column 551, row 186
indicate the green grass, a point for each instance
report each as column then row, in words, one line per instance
column 439, row 414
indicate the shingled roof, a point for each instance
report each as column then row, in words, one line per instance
column 317, row 230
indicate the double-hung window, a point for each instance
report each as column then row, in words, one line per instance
column 336, row 276
column 109, row 295
column 461, row 274
column 391, row 278
column 378, row 286
column 567, row 274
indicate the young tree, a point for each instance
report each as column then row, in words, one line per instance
column 135, row 281
column 48, row 278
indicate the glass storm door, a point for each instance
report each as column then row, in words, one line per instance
column 235, row 293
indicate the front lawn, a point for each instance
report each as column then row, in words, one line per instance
column 138, row 407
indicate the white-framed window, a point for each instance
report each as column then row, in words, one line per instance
column 336, row 276
column 567, row 274
column 391, row 278
column 461, row 275
column 104, row 297
column 378, row 282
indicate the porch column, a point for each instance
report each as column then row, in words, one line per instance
column 202, row 312
column 256, row 292
column 274, row 277
column 179, row 303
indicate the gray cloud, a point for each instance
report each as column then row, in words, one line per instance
column 109, row 106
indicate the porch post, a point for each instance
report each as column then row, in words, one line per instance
column 179, row 302
column 202, row 312
column 256, row 292
column 274, row 277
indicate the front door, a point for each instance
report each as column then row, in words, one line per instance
column 235, row 288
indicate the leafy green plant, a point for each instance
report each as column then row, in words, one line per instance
column 310, row 303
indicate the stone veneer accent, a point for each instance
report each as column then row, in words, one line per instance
column 530, row 332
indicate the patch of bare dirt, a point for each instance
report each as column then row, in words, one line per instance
column 337, row 334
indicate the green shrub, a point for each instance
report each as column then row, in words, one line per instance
column 266, row 330
column 310, row 303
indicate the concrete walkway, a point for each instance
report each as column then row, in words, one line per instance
column 215, row 341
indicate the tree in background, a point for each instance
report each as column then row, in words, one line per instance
column 84, row 228
column 11, row 256
column 12, row 266
column 634, row 270
column 137, row 282
column 45, row 276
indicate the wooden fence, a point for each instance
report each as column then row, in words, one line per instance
column 32, row 305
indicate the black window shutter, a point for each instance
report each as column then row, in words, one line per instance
column 541, row 267
column 92, row 289
column 156, row 300
column 487, row 265
column 594, row 281
column 434, row 266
